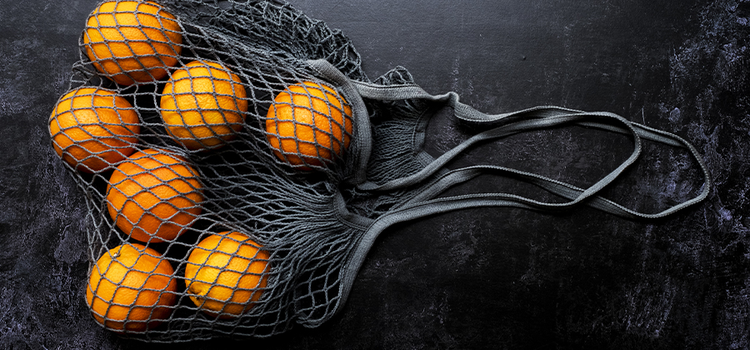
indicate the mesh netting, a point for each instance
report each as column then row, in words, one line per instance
column 209, row 122
column 233, row 184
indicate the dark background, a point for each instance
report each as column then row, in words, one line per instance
column 474, row 279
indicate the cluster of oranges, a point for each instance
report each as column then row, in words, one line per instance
column 155, row 195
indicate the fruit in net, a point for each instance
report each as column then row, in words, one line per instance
column 93, row 129
column 154, row 195
column 132, row 41
column 203, row 105
column 131, row 288
column 309, row 124
column 226, row 274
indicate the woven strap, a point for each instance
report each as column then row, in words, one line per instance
column 428, row 202
column 507, row 124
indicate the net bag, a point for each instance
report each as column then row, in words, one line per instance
column 238, row 164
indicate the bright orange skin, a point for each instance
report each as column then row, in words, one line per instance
column 226, row 274
column 154, row 196
column 132, row 41
column 203, row 105
column 93, row 129
column 309, row 124
column 131, row 289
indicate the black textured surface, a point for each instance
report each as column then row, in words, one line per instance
column 490, row 278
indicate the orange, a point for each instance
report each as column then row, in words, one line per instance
column 92, row 129
column 309, row 124
column 226, row 273
column 154, row 195
column 131, row 288
column 203, row 105
column 132, row 41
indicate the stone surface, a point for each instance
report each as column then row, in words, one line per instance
column 473, row 279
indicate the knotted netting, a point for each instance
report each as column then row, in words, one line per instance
column 238, row 164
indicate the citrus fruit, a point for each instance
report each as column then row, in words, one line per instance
column 226, row 273
column 203, row 105
column 132, row 41
column 154, row 195
column 131, row 288
column 309, row 124
column 92, row 129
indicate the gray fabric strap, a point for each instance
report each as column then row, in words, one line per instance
column 428, row 203
column 530, row 119
column 435, row 179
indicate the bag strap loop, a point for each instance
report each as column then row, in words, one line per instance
column 428, row 201
column 534, row 118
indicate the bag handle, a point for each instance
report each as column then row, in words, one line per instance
column 427, row 201
column 534, row 118
column 519, row 121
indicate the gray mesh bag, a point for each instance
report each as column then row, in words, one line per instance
column 238, row 165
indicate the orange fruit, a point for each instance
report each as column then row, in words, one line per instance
column 154, row 196
column 132, row 41
column 92, row 129
column 203, row 105
column 309, row 124
column 226, row 274
column 131, row 288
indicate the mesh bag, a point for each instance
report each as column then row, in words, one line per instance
column 238, row 165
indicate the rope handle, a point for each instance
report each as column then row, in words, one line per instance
column 574, row 195
column 507, row 124
column 428, row 202
column 502, row 125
